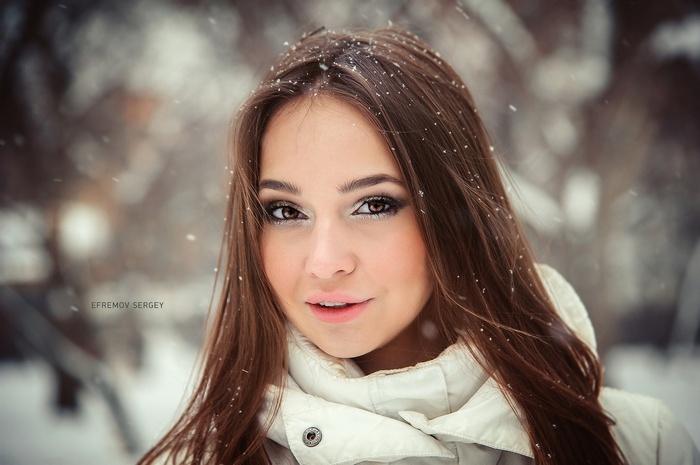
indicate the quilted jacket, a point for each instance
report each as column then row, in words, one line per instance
column 443, row 411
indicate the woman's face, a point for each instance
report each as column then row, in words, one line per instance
column 341, row 245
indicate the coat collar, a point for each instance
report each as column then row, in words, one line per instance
column 419, row 411
column 449, row 399
column 434, row 388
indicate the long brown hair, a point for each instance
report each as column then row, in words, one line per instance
column 487, row 290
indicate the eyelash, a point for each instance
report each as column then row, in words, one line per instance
column 271, row 207
column 390, row 205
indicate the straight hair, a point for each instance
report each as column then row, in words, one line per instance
column 487, row 294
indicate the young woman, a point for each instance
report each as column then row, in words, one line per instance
column 380, row 301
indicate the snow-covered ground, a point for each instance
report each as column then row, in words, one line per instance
column 674, row 378
column 32, row 434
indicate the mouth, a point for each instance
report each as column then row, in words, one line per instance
column 338, row 312
column 334, row 305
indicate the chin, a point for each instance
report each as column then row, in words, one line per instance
column 343, row 352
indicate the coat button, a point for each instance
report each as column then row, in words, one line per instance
column 311, row 437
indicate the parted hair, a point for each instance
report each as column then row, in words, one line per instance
column 487, row 292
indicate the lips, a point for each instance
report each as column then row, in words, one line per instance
column 337, row 308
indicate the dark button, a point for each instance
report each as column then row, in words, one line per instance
column 311, row 437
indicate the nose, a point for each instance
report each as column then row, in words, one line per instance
column 329, row 253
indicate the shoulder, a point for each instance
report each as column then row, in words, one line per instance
column 567, row 303
column 647, row 431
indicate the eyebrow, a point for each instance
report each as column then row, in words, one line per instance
column 369, row 181
column 279, row 186
column 355, row 184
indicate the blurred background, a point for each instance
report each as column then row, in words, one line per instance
column 113, row 168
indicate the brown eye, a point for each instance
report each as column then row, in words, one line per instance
column 376, row 207
column 289, row 213
column 379, row 207
column 277, row 212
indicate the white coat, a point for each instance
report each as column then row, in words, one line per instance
column 443, row 411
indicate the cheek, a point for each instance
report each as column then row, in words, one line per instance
column 277, row 261
column 404, row 258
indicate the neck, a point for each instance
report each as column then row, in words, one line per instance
column 413, row 345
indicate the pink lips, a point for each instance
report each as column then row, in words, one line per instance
column 354, row 307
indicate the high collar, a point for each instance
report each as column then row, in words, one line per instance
column 434, row 388
column 449, row 398
column 429, row 410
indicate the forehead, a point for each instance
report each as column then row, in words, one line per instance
column 323, row 136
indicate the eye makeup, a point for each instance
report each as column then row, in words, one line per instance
column 370, row 207
column 378, row 206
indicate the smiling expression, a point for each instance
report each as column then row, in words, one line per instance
column 341, row 245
